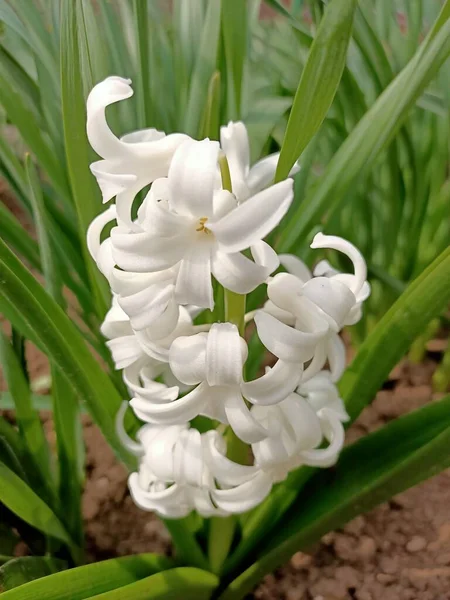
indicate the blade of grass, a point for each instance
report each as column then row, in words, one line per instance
column 143, row 83
column 87, row 581
column 84, row 190
column 16, row 495
column 66, row 413
column 318, row 83
column 372, row 134
column 235, row 31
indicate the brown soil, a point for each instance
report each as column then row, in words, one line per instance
column 399, row 551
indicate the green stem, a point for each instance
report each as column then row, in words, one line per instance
column 222, row 530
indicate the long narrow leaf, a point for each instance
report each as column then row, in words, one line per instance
column 90, row 580
column 372, row 134
column 84, row 190
column 16, row 495
column 318, row 83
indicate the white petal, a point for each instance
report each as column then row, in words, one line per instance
column 134, row 447
column 286, row 342
column 332, row 297
column 239, row 274
column 152, row 391
column 149, row 304
column 331, row 241
column 226, row 353
column 192, row 177
column 250, row 222
column 336, row 356
column 143, row 135
column 262, row 173
column 295, row 266
column 170, row 413
column 226, row 472
column 110, row 182
column 95, row 230
column 187, row 358
column 334, row 431
column 244, row 425
column 125, row 350
column 166, row 324
column 194, row 277
column 142, row 252
column 235, row 144
column 109, row 91
column 223, row 203
column 275, row 385
column 169, row 503
column 244, row 497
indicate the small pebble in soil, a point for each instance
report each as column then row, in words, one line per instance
column 416, row 544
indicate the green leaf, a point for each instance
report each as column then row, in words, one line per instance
column 23, row 118
column 372, row 134
column 28, row 421
column 19, row 571
column 369, row 472
column 235, row 31
column 87, row 581
column 20, row 241
column 319, row 82
column 66, row 412
column 425, row 298
column 143, row 84
column 182, row 583
column 205, row 65
column 84, row 189
column 38, row 316
column 16, row 495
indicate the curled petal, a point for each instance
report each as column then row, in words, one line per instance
column 95, row 230
column 110, row 183
column 334, row 432
column 226, row 353
column 244, row 425
column 295, row 266
column 151, row 391
column 243, row 497
column 250, row 222
column 125, row 350
column 331, row 241
column 334, row 299
column 187, row 358
column 192, row 178
column 109, row 91
column 134, row 447
column 276, row 385
column 226, row 472
column 287, row 343
column 239, row 274
column 144, row 252
column 169, row 502
column 336, row 356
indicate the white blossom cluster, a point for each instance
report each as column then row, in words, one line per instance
column 160, row 265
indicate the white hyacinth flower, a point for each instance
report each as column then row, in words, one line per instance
column 188, row 221
column 131, row 162
column 306, row 418
column 213, row 363
column 182, row 470
column 247, row 180
column 300, row 303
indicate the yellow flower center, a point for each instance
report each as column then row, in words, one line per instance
column 201, row 225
